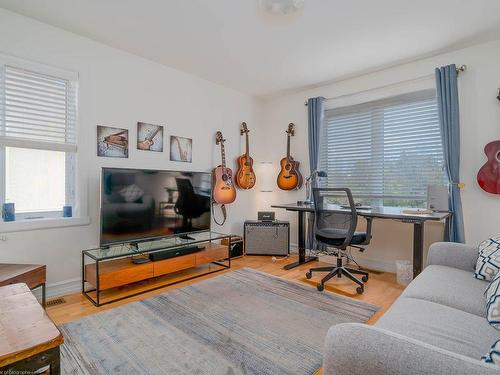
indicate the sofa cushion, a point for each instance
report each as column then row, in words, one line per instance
column 131, row 193
column 493, row 355
column 488, row 262
column 451, row 287
column 493, row 302
column 441, row 326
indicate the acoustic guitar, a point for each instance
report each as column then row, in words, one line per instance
column 148, row 140
column 245, row 176
column 224, row 191
column 488, row 176
column 289, row 177
column 117, row 140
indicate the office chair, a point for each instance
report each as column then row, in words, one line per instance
column 335, row 229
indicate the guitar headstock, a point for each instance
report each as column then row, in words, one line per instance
column 291, row 130
column 219, row 138
column 244, row 129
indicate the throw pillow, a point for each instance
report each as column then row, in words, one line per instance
column 494, row 354
column 488, row 263
column 493, row 302
column 131, row 193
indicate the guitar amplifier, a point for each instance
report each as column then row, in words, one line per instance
column 267, row 238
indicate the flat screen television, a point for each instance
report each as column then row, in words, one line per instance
column 141, row 204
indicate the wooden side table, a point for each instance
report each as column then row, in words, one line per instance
column 29, row 340
column 33, row 275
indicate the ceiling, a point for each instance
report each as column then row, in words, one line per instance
column 233, row 43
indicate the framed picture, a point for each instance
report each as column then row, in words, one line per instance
column 181, row 149
column 149, row 137
column 112, row 142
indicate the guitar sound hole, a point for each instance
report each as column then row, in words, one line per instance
column 498, row 156
column 224, row 177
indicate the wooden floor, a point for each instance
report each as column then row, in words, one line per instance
column 381, row 290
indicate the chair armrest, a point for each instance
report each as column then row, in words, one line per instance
column 453, row 254
column 354, row 348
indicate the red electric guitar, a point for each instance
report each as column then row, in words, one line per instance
column 488, row 176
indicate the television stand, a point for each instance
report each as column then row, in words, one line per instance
column 110, row 274
column 186, row 237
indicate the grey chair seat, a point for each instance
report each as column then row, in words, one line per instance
column 357, row 238
column 441, row 326
column 451, row 287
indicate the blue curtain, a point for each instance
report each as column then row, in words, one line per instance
column 315, row 112
column 449, row 119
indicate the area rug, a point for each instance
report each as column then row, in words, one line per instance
column 241, row 322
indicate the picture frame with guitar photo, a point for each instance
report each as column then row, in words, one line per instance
column 181, row 149
column 149, row 137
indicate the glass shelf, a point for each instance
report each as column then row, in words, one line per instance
column 123, row 250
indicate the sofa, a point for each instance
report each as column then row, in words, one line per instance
column 437, row 326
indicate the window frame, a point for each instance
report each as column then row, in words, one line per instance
column 71, row 178
column 346, row 107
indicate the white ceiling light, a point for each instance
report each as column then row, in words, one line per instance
column 281, row 7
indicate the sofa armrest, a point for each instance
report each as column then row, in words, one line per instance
column 354, row 348
column 453, row 254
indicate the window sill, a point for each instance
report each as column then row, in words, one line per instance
column 47, row 223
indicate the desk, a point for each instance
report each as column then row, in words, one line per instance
column 34, row 275
column 393, row 213
column 28, row 339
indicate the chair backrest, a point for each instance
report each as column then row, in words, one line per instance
column 335, row 215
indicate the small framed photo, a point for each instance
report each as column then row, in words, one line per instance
column 149, row 137
column 181, row 149
column 112, row 142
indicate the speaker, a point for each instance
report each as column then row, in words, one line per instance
column 236, row 246
column 267, row 238
column 265, row 215
column 437, row 198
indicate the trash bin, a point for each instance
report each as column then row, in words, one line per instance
column 404, row 271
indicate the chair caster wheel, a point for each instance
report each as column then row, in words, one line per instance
column 365, row 279
column 320, row 287
column 309, row 274
column 360, row 290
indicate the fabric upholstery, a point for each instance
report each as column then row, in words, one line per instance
column 488, row 261
column 131, row 193
column 450, row 287
column 441, row 326
column 359, row 349
column 454, row 255
column 493, row 302
column 357, row 238
column 449, row 121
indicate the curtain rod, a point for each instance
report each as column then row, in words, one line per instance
column 460, row 69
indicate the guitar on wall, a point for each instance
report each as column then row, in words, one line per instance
column 245, row 176
column 488, row 176
column 148, row 140
column 289, row 177
column 224, row 191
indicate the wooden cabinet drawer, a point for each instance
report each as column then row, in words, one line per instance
column 162, row 267
column 118, row 272
column 211, row 254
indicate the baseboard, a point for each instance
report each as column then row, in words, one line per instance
column 61, row 288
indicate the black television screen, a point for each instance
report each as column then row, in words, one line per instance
column 145, row 204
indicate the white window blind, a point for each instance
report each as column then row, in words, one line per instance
column 37, row 110
column 386, row 151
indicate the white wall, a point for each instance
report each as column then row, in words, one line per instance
column 119, row 89
column 480, row 124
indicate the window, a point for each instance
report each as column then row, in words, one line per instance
column 38, row 117
column 387, row 151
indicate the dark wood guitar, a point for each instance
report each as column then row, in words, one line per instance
column 224, row 191
column 117, row 140
column 289, row 177
column 245, row 176
column 488, row 176
column 148, row 141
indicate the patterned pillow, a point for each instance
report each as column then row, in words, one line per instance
column 494, row 355
column 131, row 193
column 488, row 263
column 493, row 302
